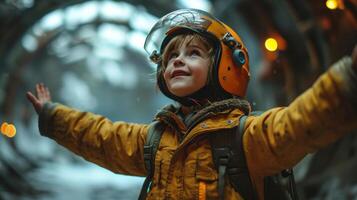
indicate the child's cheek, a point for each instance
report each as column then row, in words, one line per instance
column 165, row 73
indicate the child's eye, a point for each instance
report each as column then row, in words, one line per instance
column 195, row 52
column 173, row 55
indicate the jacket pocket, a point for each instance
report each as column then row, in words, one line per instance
column 205, row 170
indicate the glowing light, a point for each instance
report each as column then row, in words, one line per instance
column 11, row 130
column 332, row 4
column 3, row 127
column 271, row 44
column 8, row 129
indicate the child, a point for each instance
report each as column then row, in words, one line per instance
column 203, row 65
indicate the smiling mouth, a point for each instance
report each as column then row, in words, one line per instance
column 179, row 73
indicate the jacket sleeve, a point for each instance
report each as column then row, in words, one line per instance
column 117, row 146
column 281, row 137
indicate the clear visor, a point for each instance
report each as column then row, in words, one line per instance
column 184, row 18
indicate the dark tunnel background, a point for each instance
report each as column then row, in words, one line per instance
column 90, row 54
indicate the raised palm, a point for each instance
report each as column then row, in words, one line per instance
column 43, row 96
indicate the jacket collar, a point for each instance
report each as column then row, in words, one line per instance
column 172, row 115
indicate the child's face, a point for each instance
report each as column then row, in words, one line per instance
column 187, row 68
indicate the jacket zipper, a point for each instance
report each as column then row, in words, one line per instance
column 201, row 190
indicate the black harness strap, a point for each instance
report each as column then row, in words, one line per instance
column 152, row 143
column 241, row 180
column 291, row 184
column 229, row 158
column 221, row 153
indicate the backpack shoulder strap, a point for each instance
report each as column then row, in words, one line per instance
column 220, row 147
column 229, row 158
column 150, row 148
column 241, row 181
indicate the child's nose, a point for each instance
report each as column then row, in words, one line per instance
column 179, row 61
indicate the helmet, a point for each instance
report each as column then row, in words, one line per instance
column 230, row 72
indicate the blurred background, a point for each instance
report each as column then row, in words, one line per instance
column 90, row 54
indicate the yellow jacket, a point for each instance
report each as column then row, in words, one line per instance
column 275, row 140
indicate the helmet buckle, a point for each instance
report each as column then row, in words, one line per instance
column 229, row 40
column 155, row 57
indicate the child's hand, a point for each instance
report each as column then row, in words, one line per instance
column 43, row 96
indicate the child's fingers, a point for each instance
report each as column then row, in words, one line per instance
column 47, row 94
column 31, row 98
column 35, row 102
column 38, row 91
column 41, row 93
column 42, row 88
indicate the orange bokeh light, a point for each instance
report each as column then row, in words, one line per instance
column 8, row 129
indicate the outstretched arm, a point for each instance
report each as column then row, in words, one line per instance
column 281, row 137
column 117, row 146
